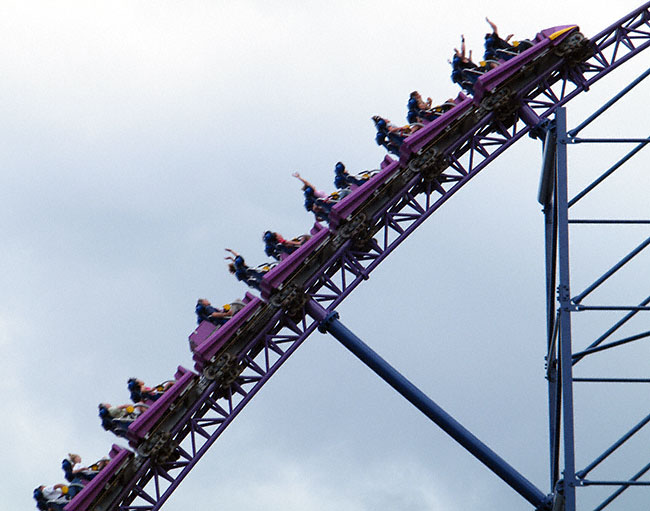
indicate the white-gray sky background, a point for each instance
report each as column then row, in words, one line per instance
column 139, row 139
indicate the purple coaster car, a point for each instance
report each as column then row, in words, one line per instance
column 274, row 278
column 207, row 331
column 546, row 38
column 140, row 427
column 201, row 333
column 85, row 497
column 359, row 196
column 209, row 346
column 422, row 137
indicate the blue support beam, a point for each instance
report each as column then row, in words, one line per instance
column 612, row 270
column 623, row 487
column 330, row 323
column 607, row 173
column 631, row 482
column 546, row 197
column 607, row 105
column 583, row 473
column 614, row 328
column 632, row 308
column 547, row 179
column 610, row 222
column 569, row 481
column 612, row 380
column 609, row 141
column 620, row 342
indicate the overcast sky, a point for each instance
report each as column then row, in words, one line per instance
column 141, row 138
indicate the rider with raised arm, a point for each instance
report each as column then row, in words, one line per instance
column 317, row 201
column 495, row 46
column 243, row 272
column 464, row 71
column 306, row 185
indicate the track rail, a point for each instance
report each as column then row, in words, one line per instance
column 428, row 180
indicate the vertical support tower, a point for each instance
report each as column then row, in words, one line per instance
column 630, row 313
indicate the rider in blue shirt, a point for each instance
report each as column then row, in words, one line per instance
column 206, row 312
column 344, row 180
column 243, row 272
column 495, row 46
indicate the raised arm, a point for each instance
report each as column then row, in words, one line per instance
column 492, row 26
column 237, row 260
column 303, row 180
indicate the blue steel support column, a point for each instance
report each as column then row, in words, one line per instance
column 546, row 197
column 566, row 307
column 329, row 323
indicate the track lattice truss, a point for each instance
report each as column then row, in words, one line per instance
column 346, row 258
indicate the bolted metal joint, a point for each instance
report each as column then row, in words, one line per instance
column 547, row 505
column 324, row 324
column 541, row 128
column 563, row 294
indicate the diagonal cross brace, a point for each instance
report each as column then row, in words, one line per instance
column 329, row 323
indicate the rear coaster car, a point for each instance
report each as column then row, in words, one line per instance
column 101, row 481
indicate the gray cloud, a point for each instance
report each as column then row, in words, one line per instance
column 138, row 141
